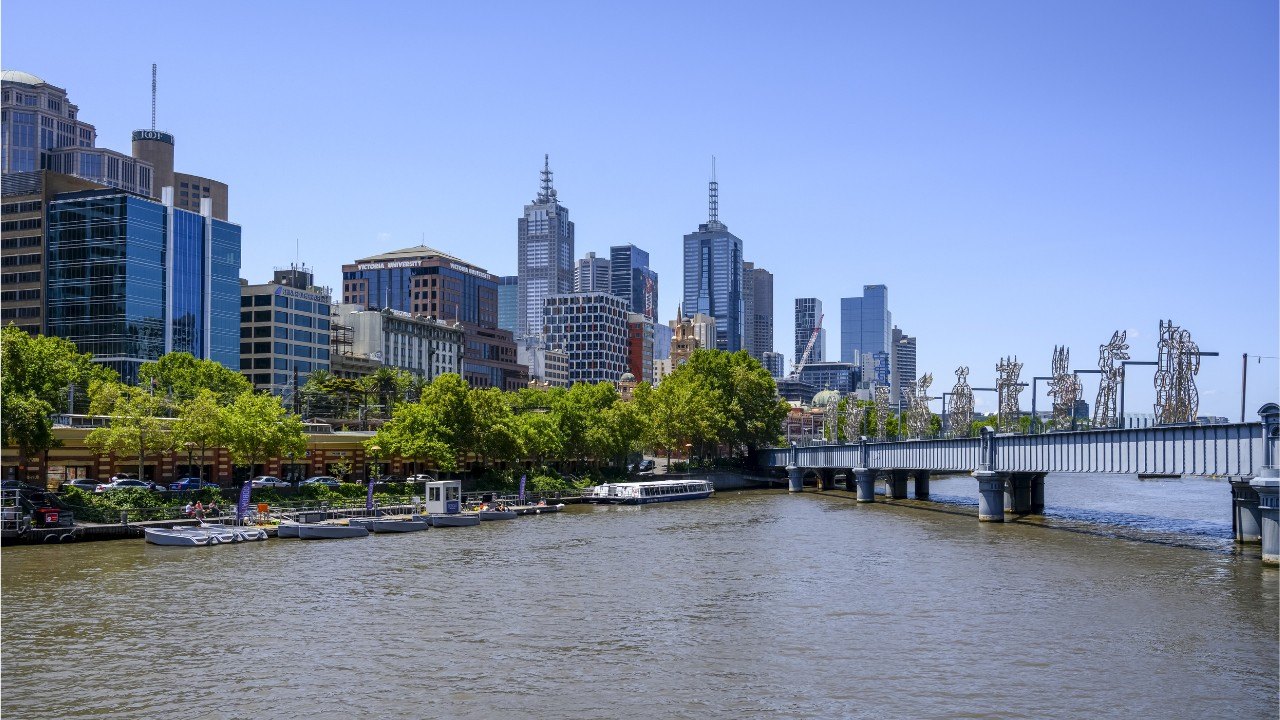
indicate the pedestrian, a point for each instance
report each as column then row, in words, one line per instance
column 213, row 509
column 199, row 511
column 189, row 510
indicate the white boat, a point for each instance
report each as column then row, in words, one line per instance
column 537, row 509
column 325, row 531
column 653, row 491
column 165, row 536
column 219, row 533
column 454, row 519
column 241, row 533
column 380, row 525
column 287, row 530
column 497, row 514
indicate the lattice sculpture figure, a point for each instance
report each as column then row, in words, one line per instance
column 1112, row 374
column 882, row 411
column 1007, row 391
column 1177, row 400
column 961, row 415
column 919, row 416
column 1064, row 388
column 831, row 417
column 854, row 412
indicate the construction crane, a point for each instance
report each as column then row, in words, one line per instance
column 808, row 349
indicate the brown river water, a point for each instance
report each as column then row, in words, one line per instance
column 1128, row 600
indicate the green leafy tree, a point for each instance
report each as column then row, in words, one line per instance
column 178, row 377
column 446, row 400
column 36, row 375
column 200, row 422
column 388, row 387
column 681, row 412
column 493, row 428
column 137, row 427
column 256, row 428
column 539, row 436
column 416, row 432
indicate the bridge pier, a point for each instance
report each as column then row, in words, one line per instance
column 795, row 479
column 1037, row 494
column 850, row 480
column 827, row 479
column 922, row 484
column 1268, row 489
column 1017, row 493
column 895, row 484
column 990, row 495
column 1245, row 512
column 866, row 481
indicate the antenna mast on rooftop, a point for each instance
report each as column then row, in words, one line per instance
column 713, row 196
column 153, row 96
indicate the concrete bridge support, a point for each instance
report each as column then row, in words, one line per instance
column 1017, row 493
column 827, row 479
column 895, row 484
column 1268, row 489
column 866, row 481
column 922, row 484
column 1246, row 515
column 850, row 480
column 1037, row 494
column 795, row 479
column 991, row 495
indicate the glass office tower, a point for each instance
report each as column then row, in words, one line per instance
column 865, row 324
column 633, row 280
column 713, row 281
column 130, row 279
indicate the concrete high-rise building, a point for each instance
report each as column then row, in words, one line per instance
column 544, row 254
column 42, row 131
column 808, row 314
column 774, row 362
column 633, row 280
column 713, row 275
column 422, row 346
column 865, row 324
column 284, row 331
column 640, row 353
column 592, row 274
column 130, row 279
column 508, row 286
column 902, row 370
column 592, row 329
column 757, row 310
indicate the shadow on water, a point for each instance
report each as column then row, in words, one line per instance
column 1150, row 529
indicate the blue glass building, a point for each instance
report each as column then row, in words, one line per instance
column 633, row 280
column 130, row 279
column 713, row 276
column 865, row 324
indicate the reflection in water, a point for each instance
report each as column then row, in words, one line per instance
column 751, row 604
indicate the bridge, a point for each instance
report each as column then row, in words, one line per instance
column 1010, row 469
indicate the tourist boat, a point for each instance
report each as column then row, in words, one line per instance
column 396, row 525
column 165, row 536
column 653, row 491
column 327, row 531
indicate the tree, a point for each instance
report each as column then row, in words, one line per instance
column 445, row 400
column 415, row 432
column 36, row 374
column 200, row 422
column 493, row 429
column 539, row 436
column 136, row 427
column 256, row 428
column 680, row 411
column 388, row 385
column 179, row 377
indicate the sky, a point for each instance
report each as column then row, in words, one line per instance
column 1020, row 175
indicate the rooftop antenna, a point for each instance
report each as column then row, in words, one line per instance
column 548, row 192
column 713, row 196
column 153, row 96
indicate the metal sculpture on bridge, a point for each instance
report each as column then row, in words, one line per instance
column 961, row 415
column 1064, row 388
column 1112, row 374
column 1007, row 390
column 854, row 412
column 1177, row 400
column 918, row 416
column 882, row 411
column 831, row 417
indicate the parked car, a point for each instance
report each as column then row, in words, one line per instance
column 389, row 479
column 124, row 484
column 84, row 484
column 192, row 483
column 321, row 480
column 269, row 481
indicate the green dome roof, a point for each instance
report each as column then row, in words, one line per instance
column 828, row 395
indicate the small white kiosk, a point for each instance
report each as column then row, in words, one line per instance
column 444, row 504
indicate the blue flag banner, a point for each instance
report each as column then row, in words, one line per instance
column 368, row 500
column 522, row 479
column 242, row 507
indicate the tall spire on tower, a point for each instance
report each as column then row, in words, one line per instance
column 153, row 96
column 713, row 196
column 548, row 192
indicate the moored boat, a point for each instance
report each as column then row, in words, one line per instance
column 326, row 531
column 287, row 530
column 454, row 519
column 401, row 525
column 538, row 509
column 497, row 514
column 241, row 533
column 165, row 536
column 653, row 491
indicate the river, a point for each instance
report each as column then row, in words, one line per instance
column 1127, row 600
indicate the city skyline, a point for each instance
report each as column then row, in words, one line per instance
column 1050, row 192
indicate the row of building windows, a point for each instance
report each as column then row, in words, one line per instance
column 22, row 312
column 283, row 318
column 298, row 304
column 193, row 186
column 20, row 207
column 282, row 348
column 11, row 295
column 18, row 260
column 26, row 224
column 23, row 277
column 12, row 243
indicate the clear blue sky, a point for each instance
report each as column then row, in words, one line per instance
column 1019, row 174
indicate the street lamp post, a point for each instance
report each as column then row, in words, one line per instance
column 374, row 450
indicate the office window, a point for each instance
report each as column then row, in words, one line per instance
column 260, row 300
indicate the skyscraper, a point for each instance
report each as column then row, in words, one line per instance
column 757, row 310
column 633, row 280
column 507, row 285
column 902, row 363
column 865, row 324
column 808, row 314
column 592, row 274
column 713, row 275
column 544, row 255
